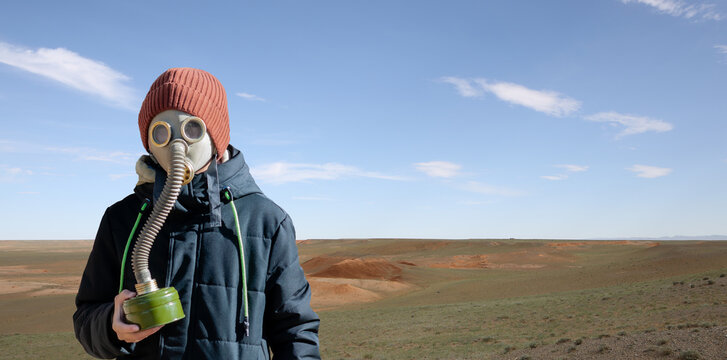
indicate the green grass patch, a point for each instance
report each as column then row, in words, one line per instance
column 41, row 346
column 476, row 330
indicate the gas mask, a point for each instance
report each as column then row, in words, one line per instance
column 179, row 142
column 172, row 126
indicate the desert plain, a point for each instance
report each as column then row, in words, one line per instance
column 442, row 299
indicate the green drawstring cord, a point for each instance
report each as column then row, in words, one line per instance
column 128, row 242
column 228, row 197
column 245, row 322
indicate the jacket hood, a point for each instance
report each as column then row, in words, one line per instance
column 202, row 194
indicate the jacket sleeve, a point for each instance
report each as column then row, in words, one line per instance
column 290, row 325
column 95, row 298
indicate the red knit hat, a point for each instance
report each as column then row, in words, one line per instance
column 193, row 91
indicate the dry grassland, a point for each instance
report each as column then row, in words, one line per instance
column 443, row 299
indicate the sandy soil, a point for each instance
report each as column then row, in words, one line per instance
column 330, row 293
column 338, row 281
column 379, row 269
column 51, row 279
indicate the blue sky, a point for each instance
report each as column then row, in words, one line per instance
column 428, row 119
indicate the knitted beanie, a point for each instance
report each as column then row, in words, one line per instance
column 195, row 92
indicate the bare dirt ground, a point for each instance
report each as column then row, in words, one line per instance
column 546, row 299
column 416, row 264
column 439, row 273
column 38, row 282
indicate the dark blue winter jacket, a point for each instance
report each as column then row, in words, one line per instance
column 197, row 253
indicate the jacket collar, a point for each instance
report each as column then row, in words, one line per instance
column 202, row 194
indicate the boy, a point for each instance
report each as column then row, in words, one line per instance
column 196, row 250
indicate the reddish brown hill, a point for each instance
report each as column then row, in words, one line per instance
column 378, row 269
column 321, row 263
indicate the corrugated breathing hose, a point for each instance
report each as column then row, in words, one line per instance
column 179, row 174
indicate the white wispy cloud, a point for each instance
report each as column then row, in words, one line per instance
column 482, row 188
column 250, row 97
column 568, row 168
column 545, row 101
column 463, row 86
column 572, row 168
column 67, row 67
column 284, row 172
column 679, row 8
column 13, row 173
column 646, row 171
column 442, row 169
column 75, row 153
column 632, row 124
column 722, row 49
column 555, row 177
column 88, row 154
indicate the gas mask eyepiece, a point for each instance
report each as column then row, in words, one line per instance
column 160, row 133
column 193, row 129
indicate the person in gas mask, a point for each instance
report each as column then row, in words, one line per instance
column 227, row 249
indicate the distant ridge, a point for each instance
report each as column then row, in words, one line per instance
column 663, row 238
column 667, row 238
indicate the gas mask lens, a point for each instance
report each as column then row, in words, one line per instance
column 193, row 129
column 160, row 133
